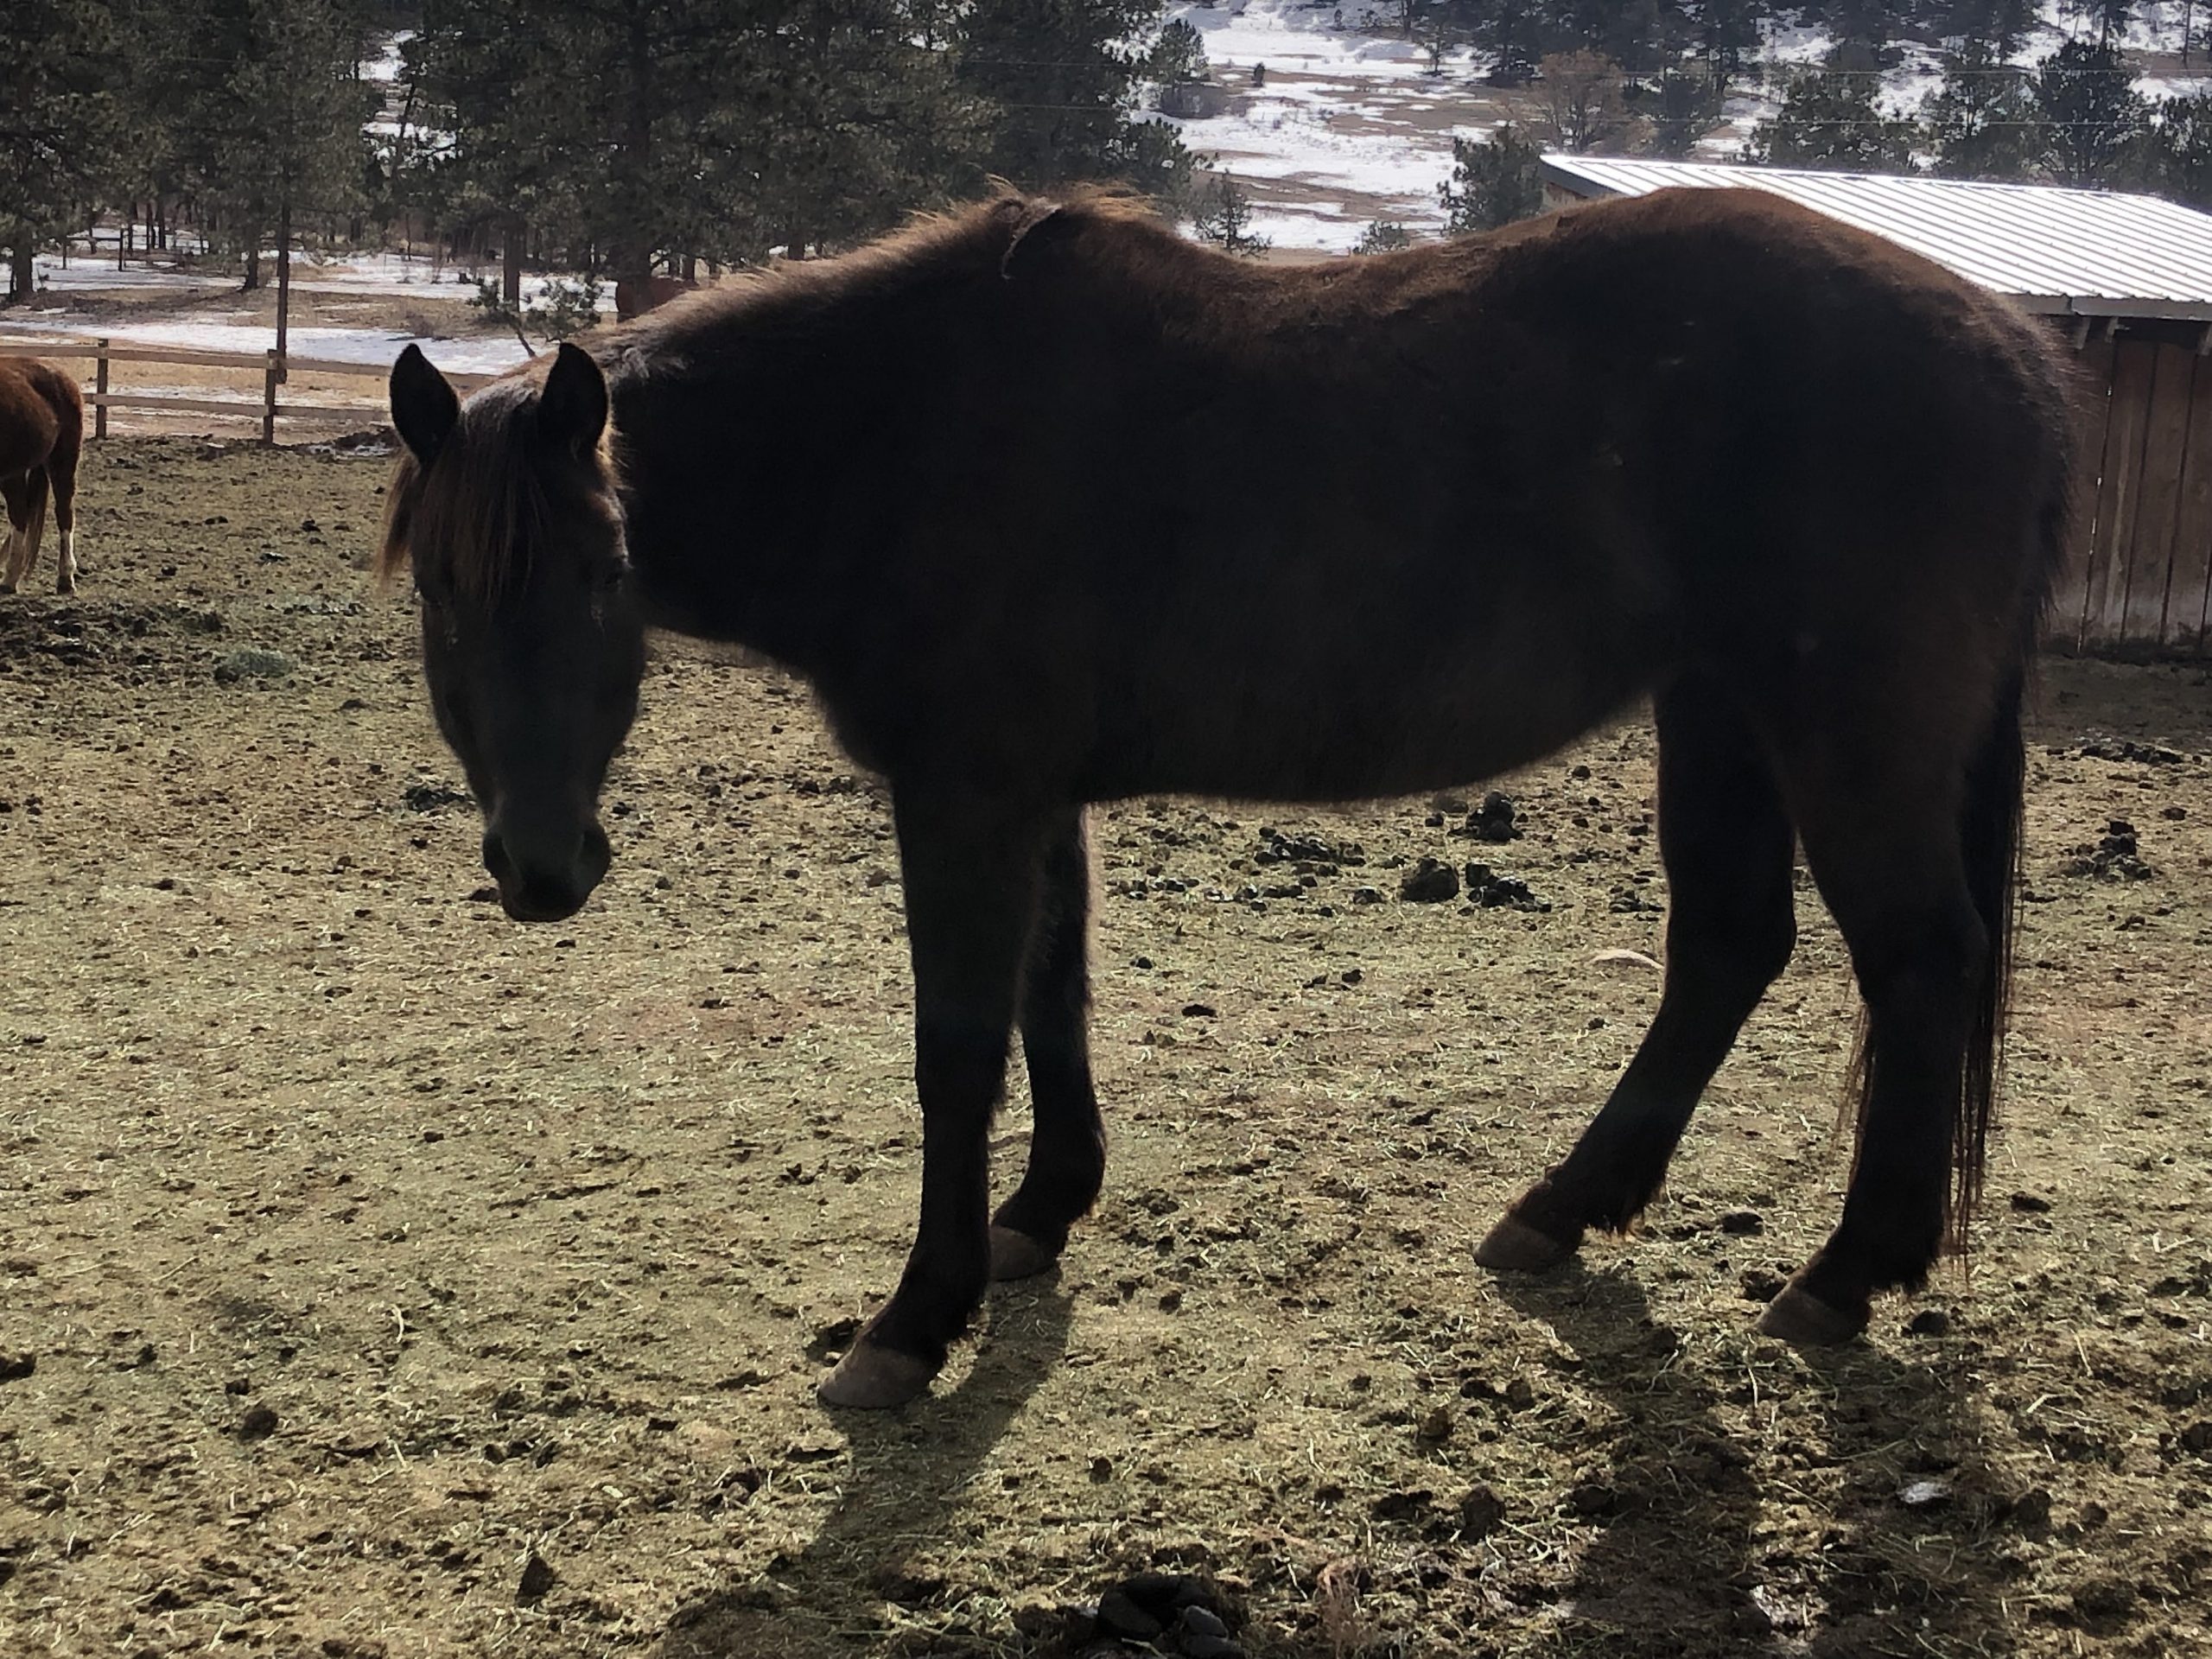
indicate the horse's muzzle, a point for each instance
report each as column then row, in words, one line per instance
column 545, row 877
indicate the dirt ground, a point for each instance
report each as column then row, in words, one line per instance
column 385, row 1279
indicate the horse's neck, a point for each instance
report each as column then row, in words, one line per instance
column 714, row 501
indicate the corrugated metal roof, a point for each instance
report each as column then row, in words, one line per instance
column 2086, row 252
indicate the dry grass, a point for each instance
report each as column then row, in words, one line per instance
column 367, row 1245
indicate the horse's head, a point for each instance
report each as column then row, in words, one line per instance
column 505, row 510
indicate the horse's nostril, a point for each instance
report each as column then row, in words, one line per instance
column 495, row 856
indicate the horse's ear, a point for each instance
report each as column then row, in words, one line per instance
column 572, row 410
column 1039, row 227
column 423, row 407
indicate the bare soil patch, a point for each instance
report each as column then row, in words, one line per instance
column 384, row 1278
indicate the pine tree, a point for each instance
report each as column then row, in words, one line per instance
column 1383, row 236
column 2183, row 148
column 1725, row 30
column 1831, row 120
column 1983, row 122
column 1222, row 214
column 268, row 108
column 1684, row 105
column 1997, row 27
column 2096, row 119
column 1512, row 33
column 1178, row 57
column 63, row 132
column 1495, row 181
column 1060, row 78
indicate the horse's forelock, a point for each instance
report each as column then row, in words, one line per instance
column 479, row 506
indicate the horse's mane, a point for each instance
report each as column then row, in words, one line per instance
column 486, row 494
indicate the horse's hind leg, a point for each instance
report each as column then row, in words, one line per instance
column 16, row 489
column 61, row 472
column 1883, row 838
column 972, row 869
column 1728, row 848
column 1067, row 1144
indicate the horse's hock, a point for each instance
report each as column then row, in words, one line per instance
column 2127, row 281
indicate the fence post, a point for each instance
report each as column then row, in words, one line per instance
column 268, row 401
column 100, row 390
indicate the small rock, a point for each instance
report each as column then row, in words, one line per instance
column 1430, row 882
column 1520, row 1394
column 1202, row 1621
column 1197, row 1011
column 1760, row 1284
column 1435, row 1428
column 1743, row 1224
column 1480, row 1512
column 2030, row 1204
column 1493, row 891
column 1928, row 1322
column 243, row 665
column 537, row 1578
column 1493, row 821
column 256, row 1422
column 2197, row 1436
column 15, row 1366
column 1924, row 1494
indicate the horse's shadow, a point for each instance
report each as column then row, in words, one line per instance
column 1695, row 1558
column 1677, row 1507
column 908, row 1472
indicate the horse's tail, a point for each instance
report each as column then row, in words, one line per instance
column 34, row 524
column 1990, row 839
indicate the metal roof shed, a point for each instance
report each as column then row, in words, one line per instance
column 2129, row 279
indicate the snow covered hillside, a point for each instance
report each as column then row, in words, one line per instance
column 1348, row 126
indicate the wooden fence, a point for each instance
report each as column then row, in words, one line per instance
column 2137, row 581
column 269, row 407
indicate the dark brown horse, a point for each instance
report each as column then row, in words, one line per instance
column 1804, row 489
column 41, row 435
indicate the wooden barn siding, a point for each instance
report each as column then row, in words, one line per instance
column 2139, row 575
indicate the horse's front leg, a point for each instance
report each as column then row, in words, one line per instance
column 1067, row 1145
column 972, row 868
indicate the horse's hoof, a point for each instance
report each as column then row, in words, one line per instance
column 1803, row 1320
column 1516, row 1247
column 871, row 1378
column 1017, row 1255
column 65, row 589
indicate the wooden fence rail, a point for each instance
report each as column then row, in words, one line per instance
column 269, row 407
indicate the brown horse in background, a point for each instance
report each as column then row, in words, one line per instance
column 41, row 437
column 1804, row 489
column 635, row 298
